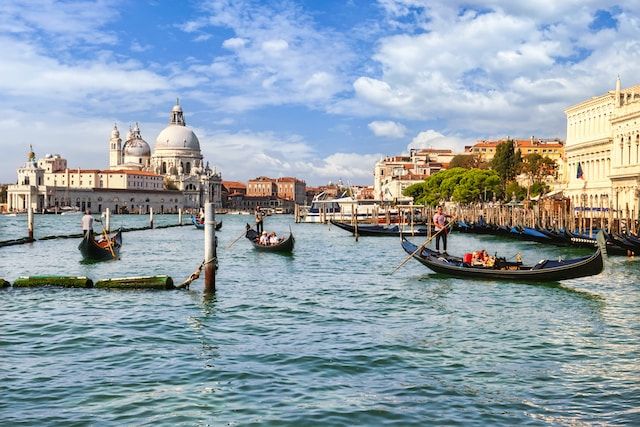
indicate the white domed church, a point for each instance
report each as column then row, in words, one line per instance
column 167, row 179
column 176, row 156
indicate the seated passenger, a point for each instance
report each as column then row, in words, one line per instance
column 264, row 238
column 273, row 239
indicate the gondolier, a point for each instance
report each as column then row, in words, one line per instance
column 259, row 220
column 439, row 221
column 87, row 221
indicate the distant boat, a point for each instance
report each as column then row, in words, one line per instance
column 284, row 246
column 100, row 250
column 69, row 210
column 200, row 224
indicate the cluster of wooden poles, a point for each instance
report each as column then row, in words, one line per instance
column 209, row 264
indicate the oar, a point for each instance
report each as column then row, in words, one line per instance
column 424, row 244
column 106, row 236
column 244, row 233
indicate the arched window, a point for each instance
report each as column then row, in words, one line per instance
column 188, row 168
column 164, row 167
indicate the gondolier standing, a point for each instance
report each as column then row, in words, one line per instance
column 87, row 221
column 259, row 220
column 439, row 221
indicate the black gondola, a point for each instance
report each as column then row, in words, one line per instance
column 94, row 250
column 284, row 246
column 200, row 225
column 544, row 271
column 379, row 230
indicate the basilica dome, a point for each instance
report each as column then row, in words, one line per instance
column 135, row 146
column 177, row 136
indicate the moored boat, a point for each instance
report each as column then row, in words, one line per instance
column 381, row 230
column 100, row 250
column 544, row 271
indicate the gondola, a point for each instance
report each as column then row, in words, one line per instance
column 379, row 230
column 544, row 271
column 284, row 246
column 200, row 225
column 94, row 250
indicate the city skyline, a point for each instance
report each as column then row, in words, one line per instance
column 316, row 90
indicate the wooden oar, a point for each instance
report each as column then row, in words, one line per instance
column 425, row 243
column 244, row 233
column 109, row 243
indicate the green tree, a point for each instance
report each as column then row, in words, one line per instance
column 506, row 161
column 468, row 161
column 515, row 188
column 457, row 184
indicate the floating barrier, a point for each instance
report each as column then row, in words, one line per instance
column 144, row 282
column 4, row 283
column 62, row 281
column 20, row 241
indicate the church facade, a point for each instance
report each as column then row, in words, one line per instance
column 172, row 177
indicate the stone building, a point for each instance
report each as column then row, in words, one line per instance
column 603, row 152
column 171, row 177
column 395, row 173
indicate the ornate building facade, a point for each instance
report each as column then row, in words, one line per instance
column 603, row 153
column 169, row 178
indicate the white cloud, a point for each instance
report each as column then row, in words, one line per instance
column 500, row 67
column 275, row 47
column 245, row 155
column 388, row 129
column 434, row 139
column 137, row 47
column 234, row 43
column 279, row 56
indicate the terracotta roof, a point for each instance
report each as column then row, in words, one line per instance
column 233, row 184
column 131, row 172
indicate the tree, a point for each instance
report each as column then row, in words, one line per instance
column 538, row 167
column 457, row 184
column 515, row 188
column 506, row 161
column 468, row 161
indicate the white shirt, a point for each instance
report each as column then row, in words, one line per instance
column 87, row 222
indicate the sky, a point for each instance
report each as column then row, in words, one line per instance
column 317, row 89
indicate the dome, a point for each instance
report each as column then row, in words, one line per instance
column 177, row 137
column 137, row 148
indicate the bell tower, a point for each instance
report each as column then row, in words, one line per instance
column 115, row 149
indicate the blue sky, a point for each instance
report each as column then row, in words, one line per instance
column 314, row 89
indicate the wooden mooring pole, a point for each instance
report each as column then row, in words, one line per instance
column 210, row 257
column 30, row 220
column 180, row 216
column 151, row 217
column 107, row 220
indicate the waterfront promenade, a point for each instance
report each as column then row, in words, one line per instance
column 323, row 337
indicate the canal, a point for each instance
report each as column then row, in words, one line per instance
column 326, row 336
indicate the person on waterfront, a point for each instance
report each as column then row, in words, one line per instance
column 259, row 220
column 439, row 220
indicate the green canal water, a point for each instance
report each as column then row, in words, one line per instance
column 326, row 336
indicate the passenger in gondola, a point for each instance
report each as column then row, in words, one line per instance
column 273, row 239
column 264, row 238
